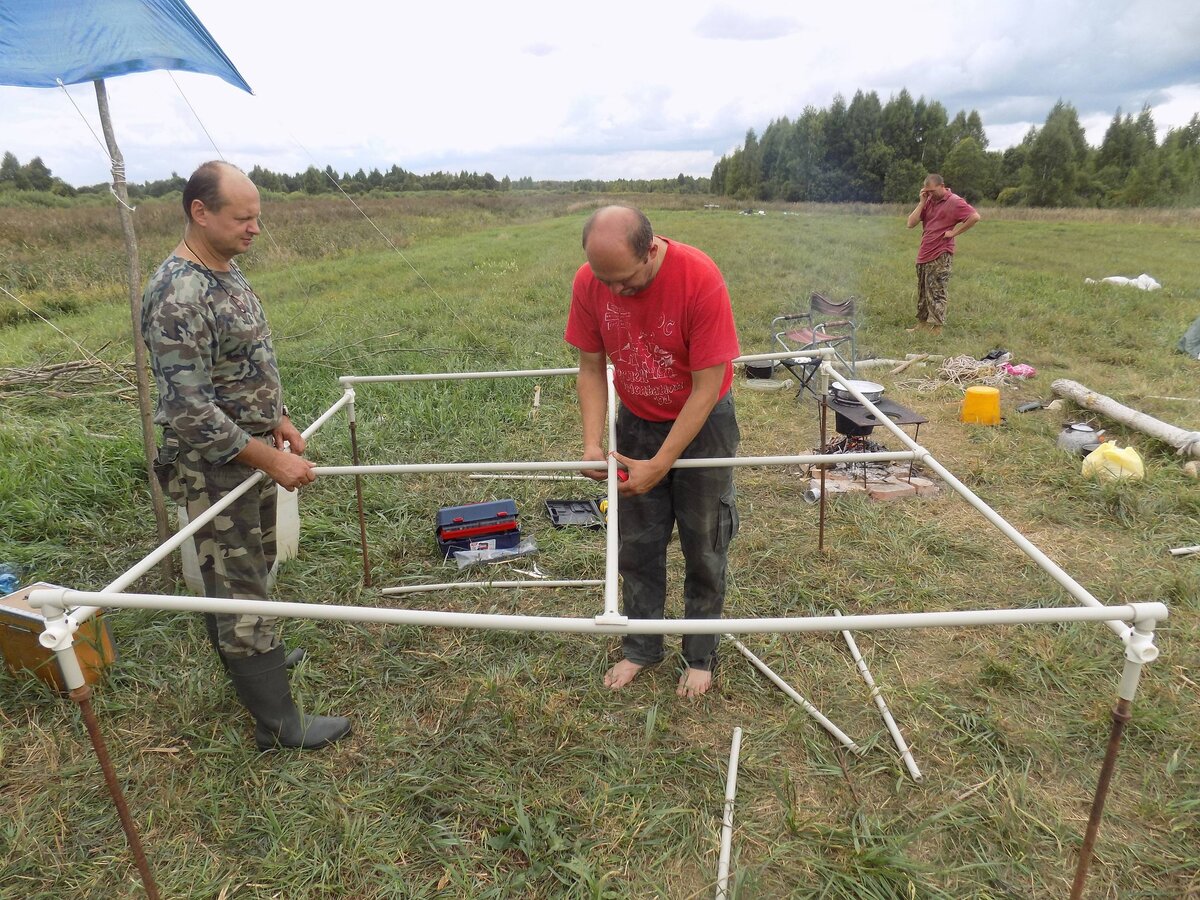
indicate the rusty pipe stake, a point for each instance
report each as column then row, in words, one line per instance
column 362, row 521
column 83, row 698
column 1121, row 715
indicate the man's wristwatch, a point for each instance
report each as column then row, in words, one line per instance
column 284, row 412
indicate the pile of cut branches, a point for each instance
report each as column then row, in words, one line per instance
column 77, row 378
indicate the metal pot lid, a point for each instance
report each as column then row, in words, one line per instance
column 864, row 387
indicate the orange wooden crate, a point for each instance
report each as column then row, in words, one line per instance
column 20, row 627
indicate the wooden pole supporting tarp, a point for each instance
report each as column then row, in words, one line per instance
column 1186, row 442
column 149, row 448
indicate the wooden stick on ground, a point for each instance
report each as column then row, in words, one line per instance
column 904, row 365
column 1187, row 442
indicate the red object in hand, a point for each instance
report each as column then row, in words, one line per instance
column 622, row 474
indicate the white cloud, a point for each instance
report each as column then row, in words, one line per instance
column 564, row 91
column 728, row 24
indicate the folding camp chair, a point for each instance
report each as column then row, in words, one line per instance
column 826, row 324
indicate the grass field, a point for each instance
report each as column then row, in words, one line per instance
column 492, row 764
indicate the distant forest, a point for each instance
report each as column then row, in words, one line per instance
column 864, row 151
column 35, row 176
column 872, row 152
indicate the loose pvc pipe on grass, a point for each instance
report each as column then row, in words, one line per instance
column 727, row 816
column 886, row 713
column 795, row 695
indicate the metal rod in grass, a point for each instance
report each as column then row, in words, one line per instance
column 886, row 713
column 791, row 692
column 727, row 817
column 1138, row 652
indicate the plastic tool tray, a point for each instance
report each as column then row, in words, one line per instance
column 478, row 526
column 580, row 513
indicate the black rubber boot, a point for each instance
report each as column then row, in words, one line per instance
column 210, row 627
column 262, row 685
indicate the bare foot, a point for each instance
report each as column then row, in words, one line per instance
column 621, row 674
column 693, row 683
column 920, row 326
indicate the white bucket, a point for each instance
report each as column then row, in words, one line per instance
column 287, row 540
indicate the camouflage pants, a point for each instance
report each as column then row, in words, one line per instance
column 237, row 549
column 702, row 503
column 932, row 278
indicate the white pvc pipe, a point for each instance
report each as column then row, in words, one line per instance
column 797, row 355
column 727, row 816
column 453, row 376
column 81, row 615
column 347, row 397
column 795, row 695
column 64, row 597
column 716, row 462
column 347, row 380
column 531, row 582
column 1073, row 587
column 611, row 535
column 877, row 696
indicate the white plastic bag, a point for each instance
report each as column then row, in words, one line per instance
column 465, row 558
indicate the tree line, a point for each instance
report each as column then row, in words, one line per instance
column 872, row 152
column 36, row 176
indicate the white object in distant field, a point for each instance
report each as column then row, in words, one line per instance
column 1143, row 282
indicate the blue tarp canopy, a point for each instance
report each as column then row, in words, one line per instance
column 42, row 41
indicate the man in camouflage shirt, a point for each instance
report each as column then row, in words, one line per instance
column 220, row 403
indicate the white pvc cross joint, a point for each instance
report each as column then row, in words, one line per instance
column 60, row 628
column 1141, row 648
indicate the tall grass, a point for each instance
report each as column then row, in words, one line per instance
column 490, row 764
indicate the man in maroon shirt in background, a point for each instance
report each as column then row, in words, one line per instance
column 944, row 216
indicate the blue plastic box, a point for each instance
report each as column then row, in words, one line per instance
column 478, row 526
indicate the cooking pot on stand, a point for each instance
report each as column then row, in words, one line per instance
column 839, row 390
column 764, row 369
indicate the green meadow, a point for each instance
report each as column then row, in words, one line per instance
column 494, row 764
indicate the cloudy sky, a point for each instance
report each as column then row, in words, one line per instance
column 619, row 89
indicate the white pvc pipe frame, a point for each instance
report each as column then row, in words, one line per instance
column 63, row 620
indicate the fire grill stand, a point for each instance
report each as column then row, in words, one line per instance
column 857, row 418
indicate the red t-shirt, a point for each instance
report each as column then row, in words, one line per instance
column 939, row 216
column 682, row 322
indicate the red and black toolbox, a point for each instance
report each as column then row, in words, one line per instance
column 478, row 526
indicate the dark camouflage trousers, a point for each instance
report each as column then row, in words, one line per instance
column 701, row 502
column 932, row 278
column 237, row 549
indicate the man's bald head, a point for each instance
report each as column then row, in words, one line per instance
column 620, row 223
column 206, row 185
column 621, row 249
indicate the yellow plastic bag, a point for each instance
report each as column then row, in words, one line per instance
column 1108, row 461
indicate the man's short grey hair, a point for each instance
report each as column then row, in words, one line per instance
column 934, row 178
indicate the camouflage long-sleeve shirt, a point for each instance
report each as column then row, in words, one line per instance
column 211, row 352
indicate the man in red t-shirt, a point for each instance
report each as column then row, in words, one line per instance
column 944, row 216
column 659, row 310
